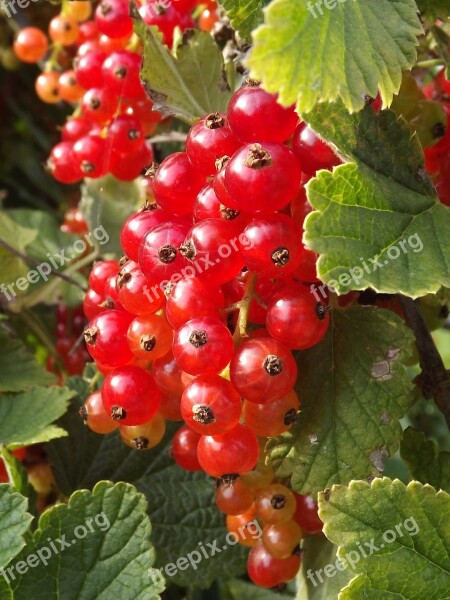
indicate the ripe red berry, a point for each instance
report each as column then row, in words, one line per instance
column 130, row 395
column 262, row 178
column 312, row 153
column 232, row 453
column 263, row 370
column 210, row 405
column 209, row 139
column 295, row 318
column 184, row 449
column 177, row 184
column 106, row 338
column 203, row 346
column 255, row 116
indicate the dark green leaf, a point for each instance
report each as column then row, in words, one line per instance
column 353, row 390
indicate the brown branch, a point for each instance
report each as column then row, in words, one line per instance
column 434, row 379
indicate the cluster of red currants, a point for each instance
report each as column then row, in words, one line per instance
column 199, row 320
column 95, row 65
column 438, row 156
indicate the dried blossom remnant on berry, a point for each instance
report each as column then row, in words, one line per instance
column 257, row 157
column 214, row 121
column 280, row 256
column 90, row 335
column 147, row 342
column 202, row 413
column 198, row 338
column 273, row 365
column 167, row 254
column 278, row 501
column 140, row 443
column 118, row 413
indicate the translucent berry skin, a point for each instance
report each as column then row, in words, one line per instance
column 266, row 571
column 210, row 405
column 63, row 165
column 88, row 69
column 255, row 116
column 145, row 436
column 100, row 273
column 233, row 452
column 150, row 337
column 312, row 153
column 244, row 527
column 125, row 132
column 275, row 504
column 270, row 420
column 121, row 73
column 63, row 30
column 130, row 395
column 234, row 497
column 30, row 45
column 167, row 375
column 262, row 178
column 209, row 139
column 112, row 18
column 306, row 514
column 281, row 539
column 212, row 247
column 90, row 153
column 75, row 128
column 159, row 252
column 135, row 295
column 106, row 338
column 170, row 407
column 95, row 416
column 184, row 449
column 273, row 247
column 91, row 304
column 295, row 318
column 263, row 370
column 192, row 298
column 99, row 105
column 177, row 184
column 137, row 225
column 203, row 346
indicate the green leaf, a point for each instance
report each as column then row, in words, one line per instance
column 14, row 522
column 18, row 476
column 55, row 248
column 181, row 504
column 317, row 553
column 404, row 531
column 244, row 15
column 105, row 204
column 26, row 418
column 378, row 223
column 310, row 55
column 107, row 551
column 19, row 370
column 424, row 460
column 17, row 237
column 353, row 390
column 434, row 9
column 190, row 84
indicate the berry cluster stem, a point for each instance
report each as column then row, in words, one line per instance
column 241, row 325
